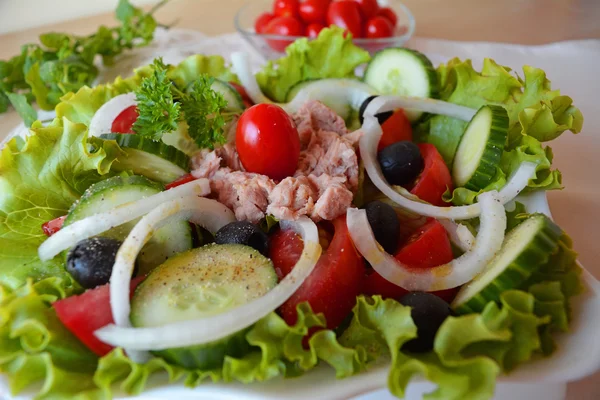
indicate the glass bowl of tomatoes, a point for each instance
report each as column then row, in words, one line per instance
column 271, row 25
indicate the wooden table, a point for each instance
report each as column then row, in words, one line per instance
column 513, row 21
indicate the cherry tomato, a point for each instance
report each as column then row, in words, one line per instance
column 262, row 21
column 379, row 27
column 313, row 30
column 395, row 129
column 125, row 120
column 267, row 141
column 51, row 227
column 84, row 314
column 368, row 8
column 388, row 13
column 180, row 181
column 346, row 14
column 334, row 283
column 285, row 26
column 242, row 91
column 435, row 178
column 314, row 11
column 285, row 8
column 428, row 247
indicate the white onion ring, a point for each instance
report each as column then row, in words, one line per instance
column 205, row 330
column 241, row 66
column 455, row 273
column 459, row 234
column 103, row 118
column 368, row 152
column 433, row 106
column 98, row 223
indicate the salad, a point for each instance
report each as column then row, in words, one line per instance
column 215, row 224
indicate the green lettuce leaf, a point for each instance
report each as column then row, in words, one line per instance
column 192, row 67
column 40, row 178
column 331, row 55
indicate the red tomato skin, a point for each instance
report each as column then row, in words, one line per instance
column 335, row 282
column 395, row 129
column 285, row 249
column 285, row 8
column 379, row 27
column 428, row 247
column 314, row 11
column 84, row 314
column 346, row 14
column 267, row 141
column 368, row 8
column 125, row 120
column 262, row 21
column 180, row 181
column 313, row 30
column 53, row 226
column 389, row 14
column 435, row 178
column 242, row 91
column 284, row 26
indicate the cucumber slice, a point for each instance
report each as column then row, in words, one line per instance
column 526, row 248
column 171, row 239
column 293, row 91
column 231, row 95
column 153, row 159
column 200, row 283
column 403, row 72
column 480, row 148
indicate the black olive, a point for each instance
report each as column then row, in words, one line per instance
column 401, row 162
column 381, row 117
column 385, row 225
column 246, row 233
column 91, row 261
column 428, row 313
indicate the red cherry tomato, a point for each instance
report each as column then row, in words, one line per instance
column 84, row 314
column 435, row 178
column 285, row 26
column 314, row 11
column 51, row 227
column 379, row 27
column 125, row 120
column 368, row 8
column 180, row 181
column 428, row 247
column 267, row 141
column 335, row 282
column 395, row 129
column 242, row 91
column 346, row 14
column 262, row 21
column 388, row 13
column 313, row 30
column 285, row 8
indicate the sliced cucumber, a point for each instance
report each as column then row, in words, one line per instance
column 197, row 284
column 403, row 72
column 153, row 159
column 293, row 91
column 171, row 239
column 480, row 149
column 231, row 95
column 526, row 248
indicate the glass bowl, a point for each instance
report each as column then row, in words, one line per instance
column 268, row 45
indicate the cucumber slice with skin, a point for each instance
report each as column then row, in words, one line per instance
column 234, row 99
column 480, row 149
column 153, row 159
column 171, row 239
column 526, row 248
column 403, row 72
column 200, row 283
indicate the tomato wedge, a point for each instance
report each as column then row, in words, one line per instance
column 435, row 178
column 242, row 91
column 125, row 120
column 51, row 227
column 180, row 181
column 337, row 279
column 428, row 247
column 84, row 314
column 395, row 129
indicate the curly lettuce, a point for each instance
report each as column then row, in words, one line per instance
column 331, row 55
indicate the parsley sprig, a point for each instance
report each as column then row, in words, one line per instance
column 162, row 105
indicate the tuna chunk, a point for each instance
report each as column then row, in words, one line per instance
column 205, row 163
column 314, row 116
column 334, row 197
column 292, row 198
column 229, row 157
